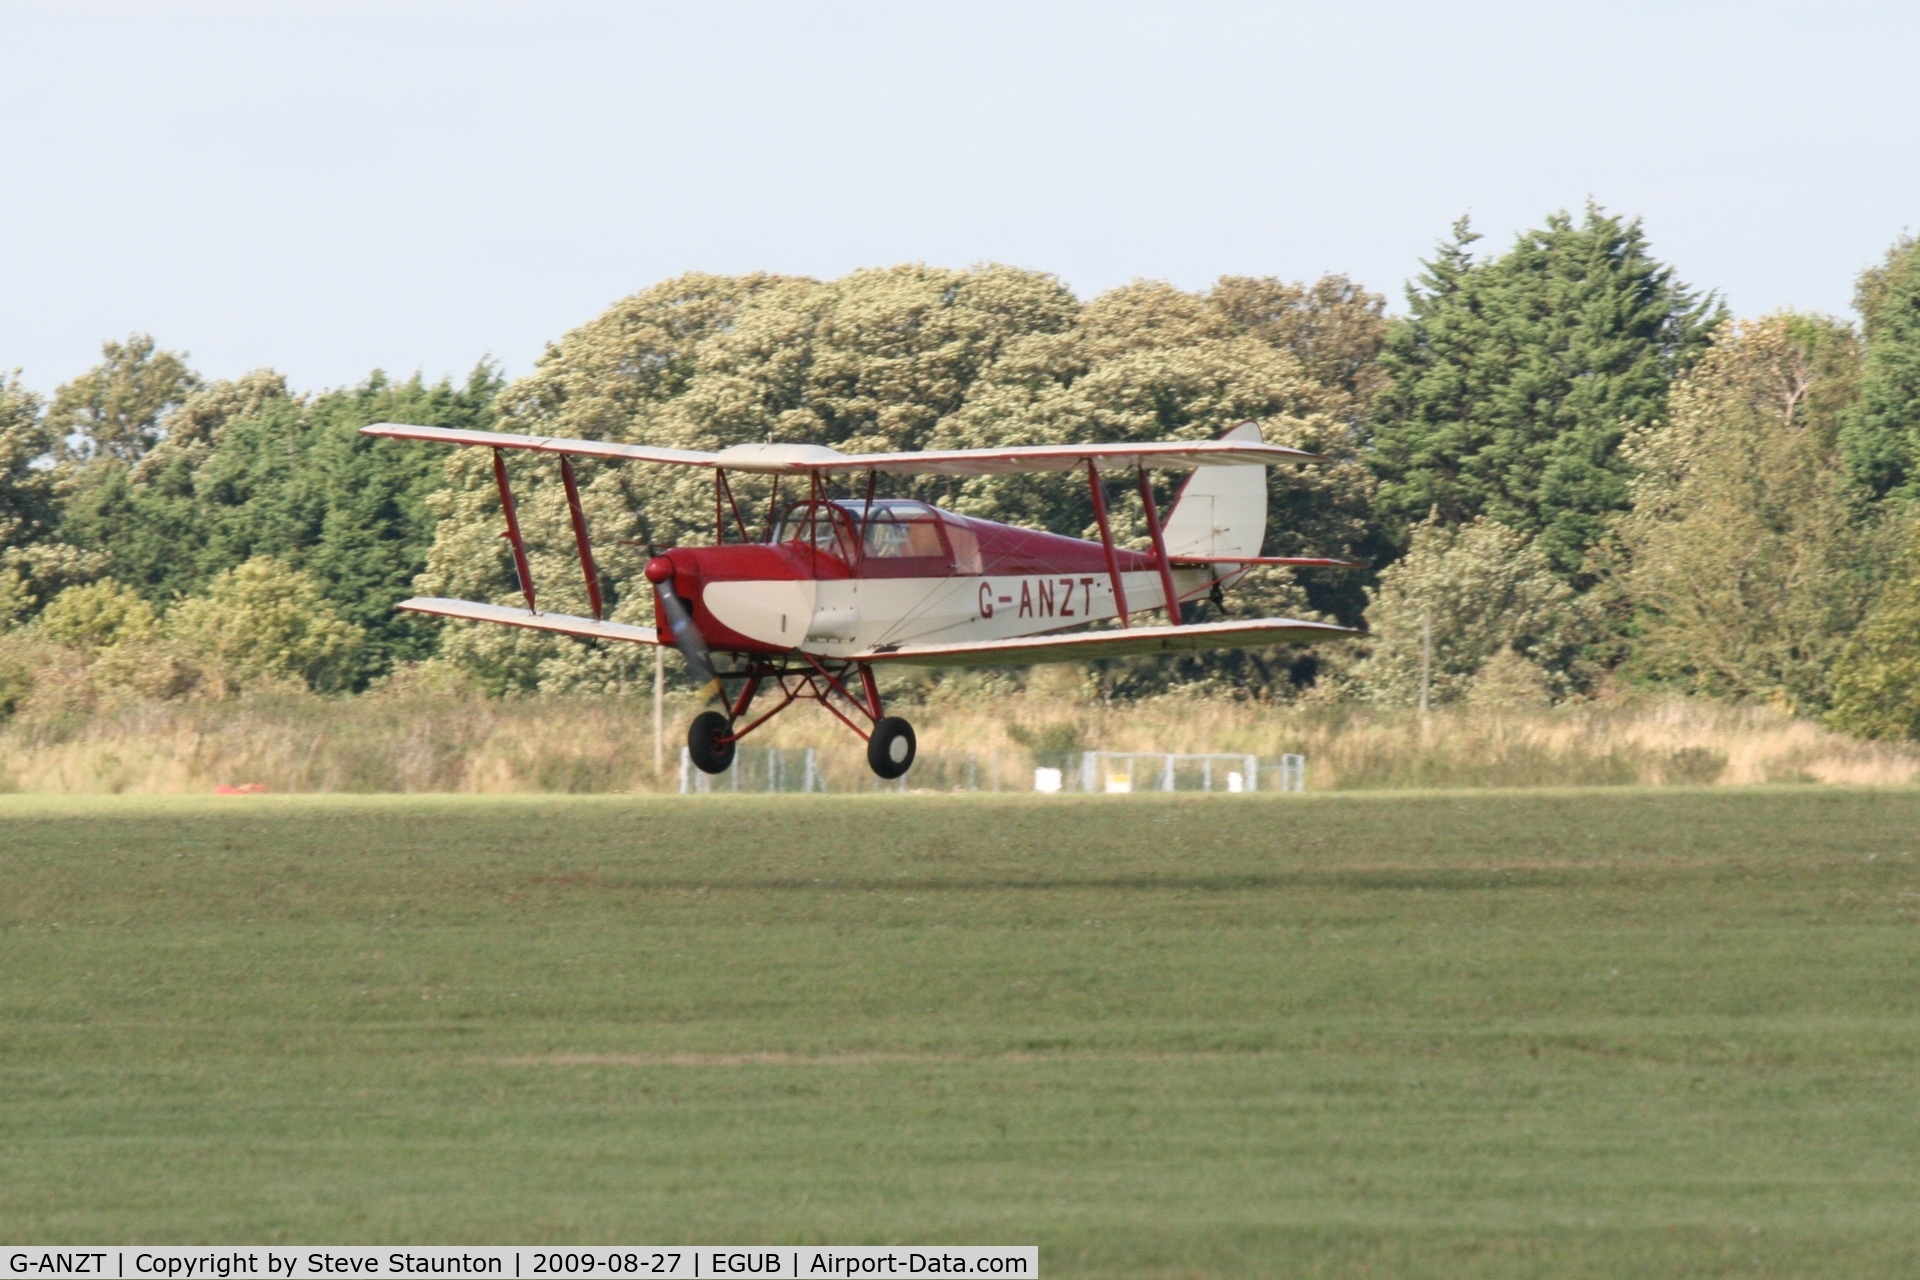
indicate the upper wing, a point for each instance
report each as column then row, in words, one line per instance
column 540, row 444
column 1159, row 455
column 1083, row 645
column 564, row 623
column 801, row 459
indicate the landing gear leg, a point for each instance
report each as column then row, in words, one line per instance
column 891, row 748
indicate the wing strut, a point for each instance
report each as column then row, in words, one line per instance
column 1106, row 540
column 720, row 486
column 866, row 518
column 579, row 519
column 513, row 530
column 1160, row 550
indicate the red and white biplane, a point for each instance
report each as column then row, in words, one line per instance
column 837, row 586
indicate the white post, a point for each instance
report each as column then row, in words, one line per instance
column 659, row 710
column 1089, row 766
column 1166, row 773
column 1426, row 659
column 1252, row 766
column 686, row 762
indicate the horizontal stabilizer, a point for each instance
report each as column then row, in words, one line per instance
column 1081, row 646
column 565, row 624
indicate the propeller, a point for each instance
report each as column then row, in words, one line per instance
column 686, row 636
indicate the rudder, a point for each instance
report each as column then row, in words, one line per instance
column 1221, row 511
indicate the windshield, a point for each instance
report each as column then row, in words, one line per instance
column 814, row 524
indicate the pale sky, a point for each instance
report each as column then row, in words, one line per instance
column 327, row 188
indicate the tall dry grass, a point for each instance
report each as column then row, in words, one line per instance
column 417, row 743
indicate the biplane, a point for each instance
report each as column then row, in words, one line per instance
column 837, row 586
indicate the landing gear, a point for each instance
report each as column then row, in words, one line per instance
column 710, row 742
column 890, row 749
column 890, row 745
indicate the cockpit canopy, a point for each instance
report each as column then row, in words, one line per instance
column 902, row 538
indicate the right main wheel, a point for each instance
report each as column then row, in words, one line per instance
column 890, row 749
column 710, row 742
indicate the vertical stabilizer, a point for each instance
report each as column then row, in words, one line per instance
column 1221, row 511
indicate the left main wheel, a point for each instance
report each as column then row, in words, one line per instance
column 709, row 745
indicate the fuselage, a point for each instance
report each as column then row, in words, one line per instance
column 839, row 578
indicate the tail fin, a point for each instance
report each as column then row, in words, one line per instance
column 1221, row 511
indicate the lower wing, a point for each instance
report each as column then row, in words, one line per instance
column 564, row 623
column 1084, row 645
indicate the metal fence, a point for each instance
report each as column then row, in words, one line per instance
column 762, row 769
column 1117, row 772
column 799, row 771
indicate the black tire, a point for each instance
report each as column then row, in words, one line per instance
column 704, row 746
column 891, row 749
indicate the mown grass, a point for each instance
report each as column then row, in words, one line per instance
column 1624, row 1032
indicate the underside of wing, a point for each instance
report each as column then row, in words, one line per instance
column 1299, row 562
column 564, row 624
column 1175, row 455
column 1085, row 645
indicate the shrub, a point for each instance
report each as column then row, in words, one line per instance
column 265, row 621
column 98, row 615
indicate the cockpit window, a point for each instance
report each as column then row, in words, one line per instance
column 966, row 544
column 903, row 530
column 903, row 536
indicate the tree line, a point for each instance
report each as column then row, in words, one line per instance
column 1566, row 471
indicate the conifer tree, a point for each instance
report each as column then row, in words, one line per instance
column 1514, row 379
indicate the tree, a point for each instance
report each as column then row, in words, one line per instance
column 1880, row 437
column 1514, row 379
column 34, row 562
column 26, row 490
column 1876, row 683
column 267, row 620
column 1748, row 562
column 248, row 469
column 1463, row 600
column 115, row 409
column 1334, row 328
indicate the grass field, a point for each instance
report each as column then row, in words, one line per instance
column 1616, row 1032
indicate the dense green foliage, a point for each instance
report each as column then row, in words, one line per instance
column 1618, row 1033
column 1876, row 684
column 247, row 469
column 1882, row 434
column 1750, row 552
column 1697, row 505
column 1467, row 601
column 1514, row 379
